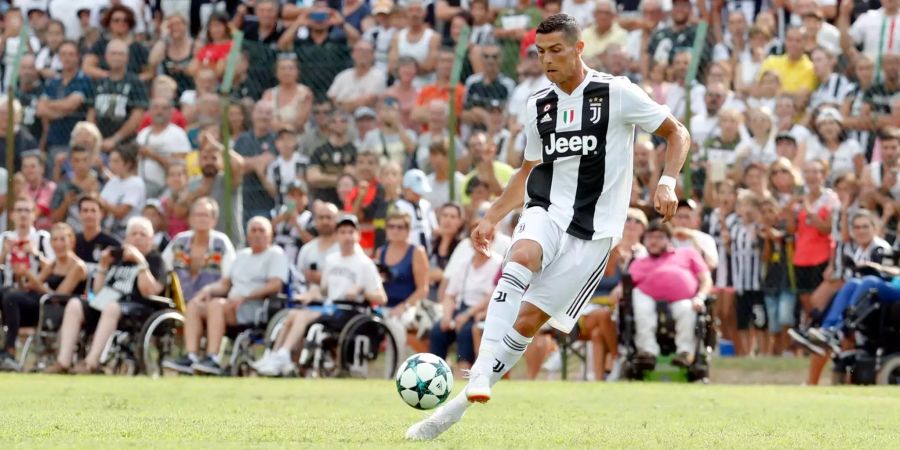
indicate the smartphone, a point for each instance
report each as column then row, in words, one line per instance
column 116, row 253
column 291, row 205
column 314, row 266
column 318, row 16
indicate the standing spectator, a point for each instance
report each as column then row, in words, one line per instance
column 173, row 52
column 316, row 134
column 24, row 245
column 65, row 101
column 853, row 105
column 531, row 79
column 291, row 101
column 449, row 233
column 391, row 140
column 439, row 178
column 512, row 25
column 495, row 174
column 381, row 33
column 29, row 91
column 786, row 123
column 337, row 156
column 205, row 84
column 746, row 69
column 833, row 87
column 289, row 166
column 200, row 256
column 212, row 184
column 869, row 30
column 291, row 221
column 311, row 259
column 794, row 68
column 832, row 144
column 261, row 41
column 776, row 284
column 24, row 142
column 404, row 92
column 745, row 249
column 760, row 148
column 440, row 89
column 37, row 187
column 666, row 42
column 214, row 53
column 686, row 233
column 322, row 46
column 64, row 205
column 123, row 196
column 487, row 85
column 364, row 200
column 880, row 95
column 812, row 225
column 120, row 21
column 160, row 145
column 92, row 240
column 257, row 147
column 437, row 131
column 174, row 199
column 420, row 211
column 705, row 123
column 120, row 99
column 47, row 59
column 361, row 84
column 417, row 41
column 676, row 92
column 12, row 21
column 405, row 267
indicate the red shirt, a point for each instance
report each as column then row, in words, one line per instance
column 177, row 119
column 210, row 54
column 813, row 246
column 670, row 277
column 367, row 230
column 433, row 92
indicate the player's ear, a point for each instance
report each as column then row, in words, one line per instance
column 579, row 47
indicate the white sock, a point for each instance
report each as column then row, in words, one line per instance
column 192, row 356
column 498, row 358
column 505, row 302
column 456, row 406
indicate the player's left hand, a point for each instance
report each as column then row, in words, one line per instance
column 665, row 201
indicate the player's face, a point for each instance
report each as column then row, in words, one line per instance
column 559, row 58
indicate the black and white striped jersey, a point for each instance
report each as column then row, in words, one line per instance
column 746, row 257
column 833, row 90
column 584, row 144
column 713, row 227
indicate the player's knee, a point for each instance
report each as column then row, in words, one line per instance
column 528, row 254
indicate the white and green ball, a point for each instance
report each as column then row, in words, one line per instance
column 424, row 381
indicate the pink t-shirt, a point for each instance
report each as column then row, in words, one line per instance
column 671, row 276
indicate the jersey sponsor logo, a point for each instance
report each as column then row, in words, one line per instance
column 546, row 118
column 570, row 144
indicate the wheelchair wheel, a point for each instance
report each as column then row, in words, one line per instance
column 161, row 337
column 274, row 327
column 367, row 349
column 889, row 372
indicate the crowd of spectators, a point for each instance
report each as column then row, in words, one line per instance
column 342, row 108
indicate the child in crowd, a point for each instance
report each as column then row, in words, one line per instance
column 172, row 199
column 291, row 220
column 745, row 247
column 777, row 284
column 290, row 165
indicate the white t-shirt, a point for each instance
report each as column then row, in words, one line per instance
column 840, row 161
column 582, row 12
column 343, row 273
column 252, row 271
column 867, row 28
column 707, row 244
column 173, row 140
column 347, row 87
column 128, row 191
column 471, row 285
column 311, row 254
column 440, row 190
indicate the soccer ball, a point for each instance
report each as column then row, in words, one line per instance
column 424, row 381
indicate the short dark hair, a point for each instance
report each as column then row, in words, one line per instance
column 563, row 23
column 889, row 134
column 659, row 225
column 89, row 197
column 129, row 16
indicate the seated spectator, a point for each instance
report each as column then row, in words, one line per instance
column 705, row 123
column 679, row 277
column 24, row 244
column 423, row 219
column 746, row 70
column 91, row 241
column 720, row 149
column 686, row 233
column 449, row 233
column 486, row 85
column 64, row 275
column 439, row 89
column 403, row 93
column 832, row 144
column 259, row 271
column 173, row 54
column 794, row 68
column 783, row 177
column 64, row 205
column 404, row 267
column 439, row 178
column 119, row 21
column 212, row 184
column 123, row 196
column 415, row 40
column 348, row 275
column 438, row 112
column 467, row 295
column 495, row 174
column 765, row 91
column 130, row 276
column 333, row 158
column 603, row 30
column 391, row 139
column 205, row 83
column 37, row 187
column 786, row 123
column 65, row 101
column 120, row 99
column 312, row 256
column 291, row 101
column 24, row 141
column 160, row 145
column 164, row 86
column 760, row 147
column 833, row 87
column 361, row 84
column 214, row 52
column 291, row 221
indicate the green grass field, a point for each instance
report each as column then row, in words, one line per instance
column 115, row 412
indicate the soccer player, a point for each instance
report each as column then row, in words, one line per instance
column 575, row 181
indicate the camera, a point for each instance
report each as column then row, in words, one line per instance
column 116, row 253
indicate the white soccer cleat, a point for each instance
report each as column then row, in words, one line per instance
column 479, row 388
column 437, row 423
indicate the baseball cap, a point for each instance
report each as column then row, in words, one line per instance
column 785, row 137
column 829, row 114
column 417, row 181
column 298, row 185
column 383, row 7
column 364, row 112
column 348, row 219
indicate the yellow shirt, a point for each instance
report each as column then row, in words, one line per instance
column 502, row 171
column 595, row 44
column 795, row 76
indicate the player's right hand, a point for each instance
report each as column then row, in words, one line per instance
column 482, row 236
column 665, row 201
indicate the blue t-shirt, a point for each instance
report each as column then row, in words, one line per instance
column 60, row 130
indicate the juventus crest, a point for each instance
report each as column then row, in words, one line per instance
column 596, row 106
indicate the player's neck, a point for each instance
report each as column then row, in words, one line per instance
column 575, row 80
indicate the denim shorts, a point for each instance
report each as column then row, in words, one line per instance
column 780, row 309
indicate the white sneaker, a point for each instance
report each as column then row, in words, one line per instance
column 263, row 361
column 277, row 364
column 440, row 421
column 479, row 388
column 616, row 372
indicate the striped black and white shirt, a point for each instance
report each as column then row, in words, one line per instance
column 713, row 227
column 746, row 257
column 584, row 145
column 833, row 90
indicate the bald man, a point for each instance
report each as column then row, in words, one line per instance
column 259, row 271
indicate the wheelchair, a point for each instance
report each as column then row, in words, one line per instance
column 636, row 368
column 363, row 347
column 875, row 359
column 244, row 343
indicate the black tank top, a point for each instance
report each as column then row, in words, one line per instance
column 184, row 81
column 54, row 280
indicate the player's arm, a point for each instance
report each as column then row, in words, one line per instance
column 678, row 142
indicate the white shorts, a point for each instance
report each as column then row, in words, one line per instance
column 570, row 270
